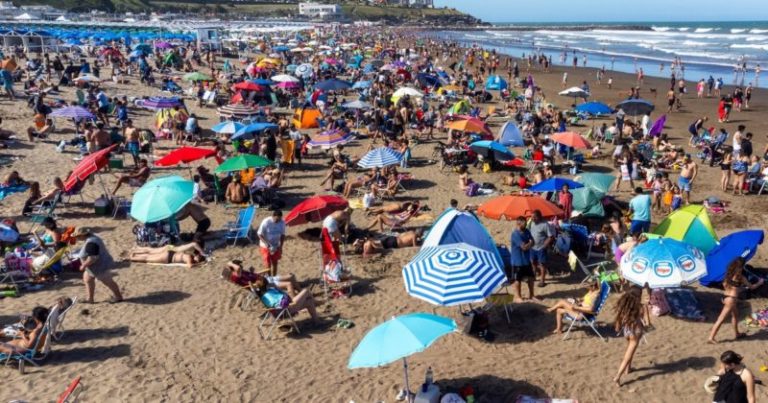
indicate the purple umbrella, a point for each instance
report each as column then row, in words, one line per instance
column 658, row 126
column 163, row 45
column 72, row 112
column 157, row 103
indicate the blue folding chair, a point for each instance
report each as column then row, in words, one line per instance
column 241, row 228
column 589, row 320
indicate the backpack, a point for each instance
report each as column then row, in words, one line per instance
column 472, row 189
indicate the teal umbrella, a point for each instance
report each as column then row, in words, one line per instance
column 588, row 202
column 161, row 198
column 398, row 338
column 597, row 181
column 242, row 162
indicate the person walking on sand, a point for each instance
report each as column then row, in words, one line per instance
column 95, row 263
column 629, row 322
column 733, row 283
column 688, row 174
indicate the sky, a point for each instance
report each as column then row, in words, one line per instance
column 609, row 10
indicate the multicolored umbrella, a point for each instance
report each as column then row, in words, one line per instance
column 158, row 103
column 161, row 198
column 72, row 112
column 330, row 139
column 243, row 162
column 510, row 207
column 487, row 147
column 663, row 263
column 184, row 155
column 227, row 127
column 315, row 209
column 237, row 111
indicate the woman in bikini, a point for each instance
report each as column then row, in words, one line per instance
column 391, row 208
column 394, row 219
column 167, row 255
column 629, row 322
column 733, row 282
column 368, row 247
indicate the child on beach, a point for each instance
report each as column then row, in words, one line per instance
column 629, row 323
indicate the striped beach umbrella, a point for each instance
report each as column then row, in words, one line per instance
column 329, row 139
column 453, row 274
column 237, row 111
column 380, row 157
column 72, row 112
column 157, row 103
column 227, row 127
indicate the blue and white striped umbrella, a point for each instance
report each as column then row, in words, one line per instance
column 453, row 274
column 380, row 157
column 227, row 127
column 72, row 112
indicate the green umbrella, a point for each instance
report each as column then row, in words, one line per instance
column 242, row 162
column 196, row 77
column 597, row 181
column 161, row 198
column 588, row 202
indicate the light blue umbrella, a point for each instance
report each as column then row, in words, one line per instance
column 247, row 131
column 398, row 338
column 227, row 127
column 663, row 263
column 555, row 184
column 161, row 198
column 379, row 158
column 453, row 274
column 362, row 105
column 486, row 147
column 361, row 85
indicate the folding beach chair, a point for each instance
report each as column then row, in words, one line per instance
column 56, row 320
column 593, row 272
column 34, row 355
column 45, row 210
column 72, row 393
column 584, row 319
column 271, row 318
column 241, row 228
column 333, row 274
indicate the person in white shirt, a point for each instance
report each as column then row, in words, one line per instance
column 646, row 124
column 271, row 237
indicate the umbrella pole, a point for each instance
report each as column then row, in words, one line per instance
column 407, row 388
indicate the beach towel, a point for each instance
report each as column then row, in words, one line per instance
column 530, row 399
column 683, row 304
column 6, row 191
column 288, row 148
column 356, row 204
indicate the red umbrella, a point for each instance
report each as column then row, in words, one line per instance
column 315, row 209
column 248, row 86
column 184, row 155
column 88, row 166
column 571, row 139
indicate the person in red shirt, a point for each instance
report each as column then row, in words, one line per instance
column 565, row 200
column 522, row 181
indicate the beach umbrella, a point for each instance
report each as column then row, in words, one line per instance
column 361, row 85
column 88, row 166
column 285, row 78
column 288, row 85
column 411, row 92
column 72, row 112
column 495, row 83
column 658, row 126
column 197, row 76
column 157, row 103
column 510, row 207
column 361, row 105
column 571, row 139
column 227, row 127
column 87, row 78
column 486, row 148
column 143, row 47
column 161, row 198
column 237, row 111
column 691, row 225
column 663, row 263
column 264, row 82
column 329, row 139
column 379, row 158
column 741, row 244
column 510, row 135
column 399, row 338
column 588, row 202
column 574, row 92
column 453, row 274
column 163, row 45
column 554, row 184
column 635, row 107
column 184, row 155
column 248, row 86
column 428, row 80
column 315, row 209
column 305, row 70
column 595, row 108
column 469, row 125
column 248, row 130
column 281, row 48
column 243, row 162
column 333, row 84
column 602, row 183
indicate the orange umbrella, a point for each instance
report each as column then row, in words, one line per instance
column 511, row 207
column 472, row 125
column 571, row 139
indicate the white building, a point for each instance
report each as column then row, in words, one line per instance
column 319, row 10
column 421, row 3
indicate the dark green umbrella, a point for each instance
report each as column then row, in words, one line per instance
column 243, row 162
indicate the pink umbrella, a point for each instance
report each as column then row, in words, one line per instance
column 332, row 61
column 163, row 45
column 658, row 126
column 288, row 85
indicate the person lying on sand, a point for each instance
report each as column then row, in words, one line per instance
column 367, row 246
column 166, row 255
column 391, row 208
column 392, row 220
column 246, row 278
column 575, row 308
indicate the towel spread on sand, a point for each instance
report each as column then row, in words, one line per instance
column 6, row 191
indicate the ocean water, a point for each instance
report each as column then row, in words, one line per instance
column 705, row 48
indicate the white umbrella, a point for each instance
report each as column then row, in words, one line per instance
column 88, row 78
column 574, row 92
column 285, row 78
column 407, row 91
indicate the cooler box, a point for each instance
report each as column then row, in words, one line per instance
column 103, row 206
column 116, row 163
column 432, row 395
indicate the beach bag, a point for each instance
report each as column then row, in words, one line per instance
column 334, row 270
column 658, row 303
column 486, row 167
column 472, row 189
column 563, row 244
column 275, row 299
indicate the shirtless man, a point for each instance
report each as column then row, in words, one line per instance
column 688, row 173
column 196, row 212
column 236, row 193
column 132, row 141
column 137, row 178
column 336, row 221
column 100, row 138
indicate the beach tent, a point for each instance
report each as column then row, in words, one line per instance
column 588, row 202
column 462, row 107
column 741, row 244
column 495, row 83
column 454, row 226
column 306, row 118
column 690, row 224
column 510, row 135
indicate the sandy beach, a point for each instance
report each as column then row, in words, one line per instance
column 179, row 336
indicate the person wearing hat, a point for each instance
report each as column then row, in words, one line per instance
column 640, row 206
column 734, row 382
column 95, row 263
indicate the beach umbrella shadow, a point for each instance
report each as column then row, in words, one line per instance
column 84, row 335
column 89, row 354
column 490, row 388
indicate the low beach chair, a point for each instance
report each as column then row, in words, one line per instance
column 45, row 209
column 584, row 319
column 272, row 317
column 34, row 355
column 241, row 228
column 594, row 271
column 56, row 320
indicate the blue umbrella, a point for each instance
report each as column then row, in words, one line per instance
column 281, row 48
column 635, row 107
column 554, row 185
column 486, row 147
column 247, row 131
column 333, row 84
column 263, row 81
column 227, row 127
column 595, row 108
column 453, row 274
column 380, row 157
column 738, row 244
column 361, row 85
column 398, row 338
column 428, row 80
